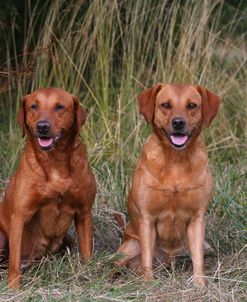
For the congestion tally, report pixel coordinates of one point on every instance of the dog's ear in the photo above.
(80, 114)
(146, 102)
(21, 116)
(210, 104)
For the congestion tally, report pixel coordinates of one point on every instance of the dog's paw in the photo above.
(14, 283)
(147, 274)
(199, 281)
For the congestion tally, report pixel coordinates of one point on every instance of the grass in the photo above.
(105, 52)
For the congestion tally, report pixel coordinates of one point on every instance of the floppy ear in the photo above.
(80, 114)
(146, 102)
(210, 104)
(21, 116)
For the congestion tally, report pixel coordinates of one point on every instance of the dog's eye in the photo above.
(166, 105)
(191, 106)
(59, 107)
(34, 106)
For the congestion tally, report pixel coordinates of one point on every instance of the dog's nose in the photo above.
(178, 123)
(43, 127)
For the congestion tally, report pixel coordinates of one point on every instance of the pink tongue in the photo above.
(179, 140)
(45, 142)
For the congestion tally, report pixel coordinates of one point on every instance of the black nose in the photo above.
(178, 123)
(43, 127)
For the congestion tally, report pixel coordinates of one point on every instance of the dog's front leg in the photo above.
(84, 230)
(147, 233)
(15, 240)
(196, 233)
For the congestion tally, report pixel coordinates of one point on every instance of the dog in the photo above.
(53, 184)
(172, 184)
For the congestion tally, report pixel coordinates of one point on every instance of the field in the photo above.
(106, 52)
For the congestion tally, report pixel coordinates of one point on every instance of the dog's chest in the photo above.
(57, 183)
(55, 218)
(176, 208)
(178, 187)
(174, 198)
(61, 182)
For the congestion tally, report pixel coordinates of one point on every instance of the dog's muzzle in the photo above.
(45, 139)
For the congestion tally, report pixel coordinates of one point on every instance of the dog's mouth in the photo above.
(48, 143)
(178, 140)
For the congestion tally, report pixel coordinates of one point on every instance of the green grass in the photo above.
(105, 52)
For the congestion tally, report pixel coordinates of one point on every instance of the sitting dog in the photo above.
(172, 184)
(53, 184)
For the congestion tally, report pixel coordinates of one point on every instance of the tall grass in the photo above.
(106, 52)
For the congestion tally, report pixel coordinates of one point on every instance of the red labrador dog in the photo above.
(53, 184)
(172, 183)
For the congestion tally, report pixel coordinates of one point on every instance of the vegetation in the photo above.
(105, 52)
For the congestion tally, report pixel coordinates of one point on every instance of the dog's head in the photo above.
(178, 111)
(48, 114)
